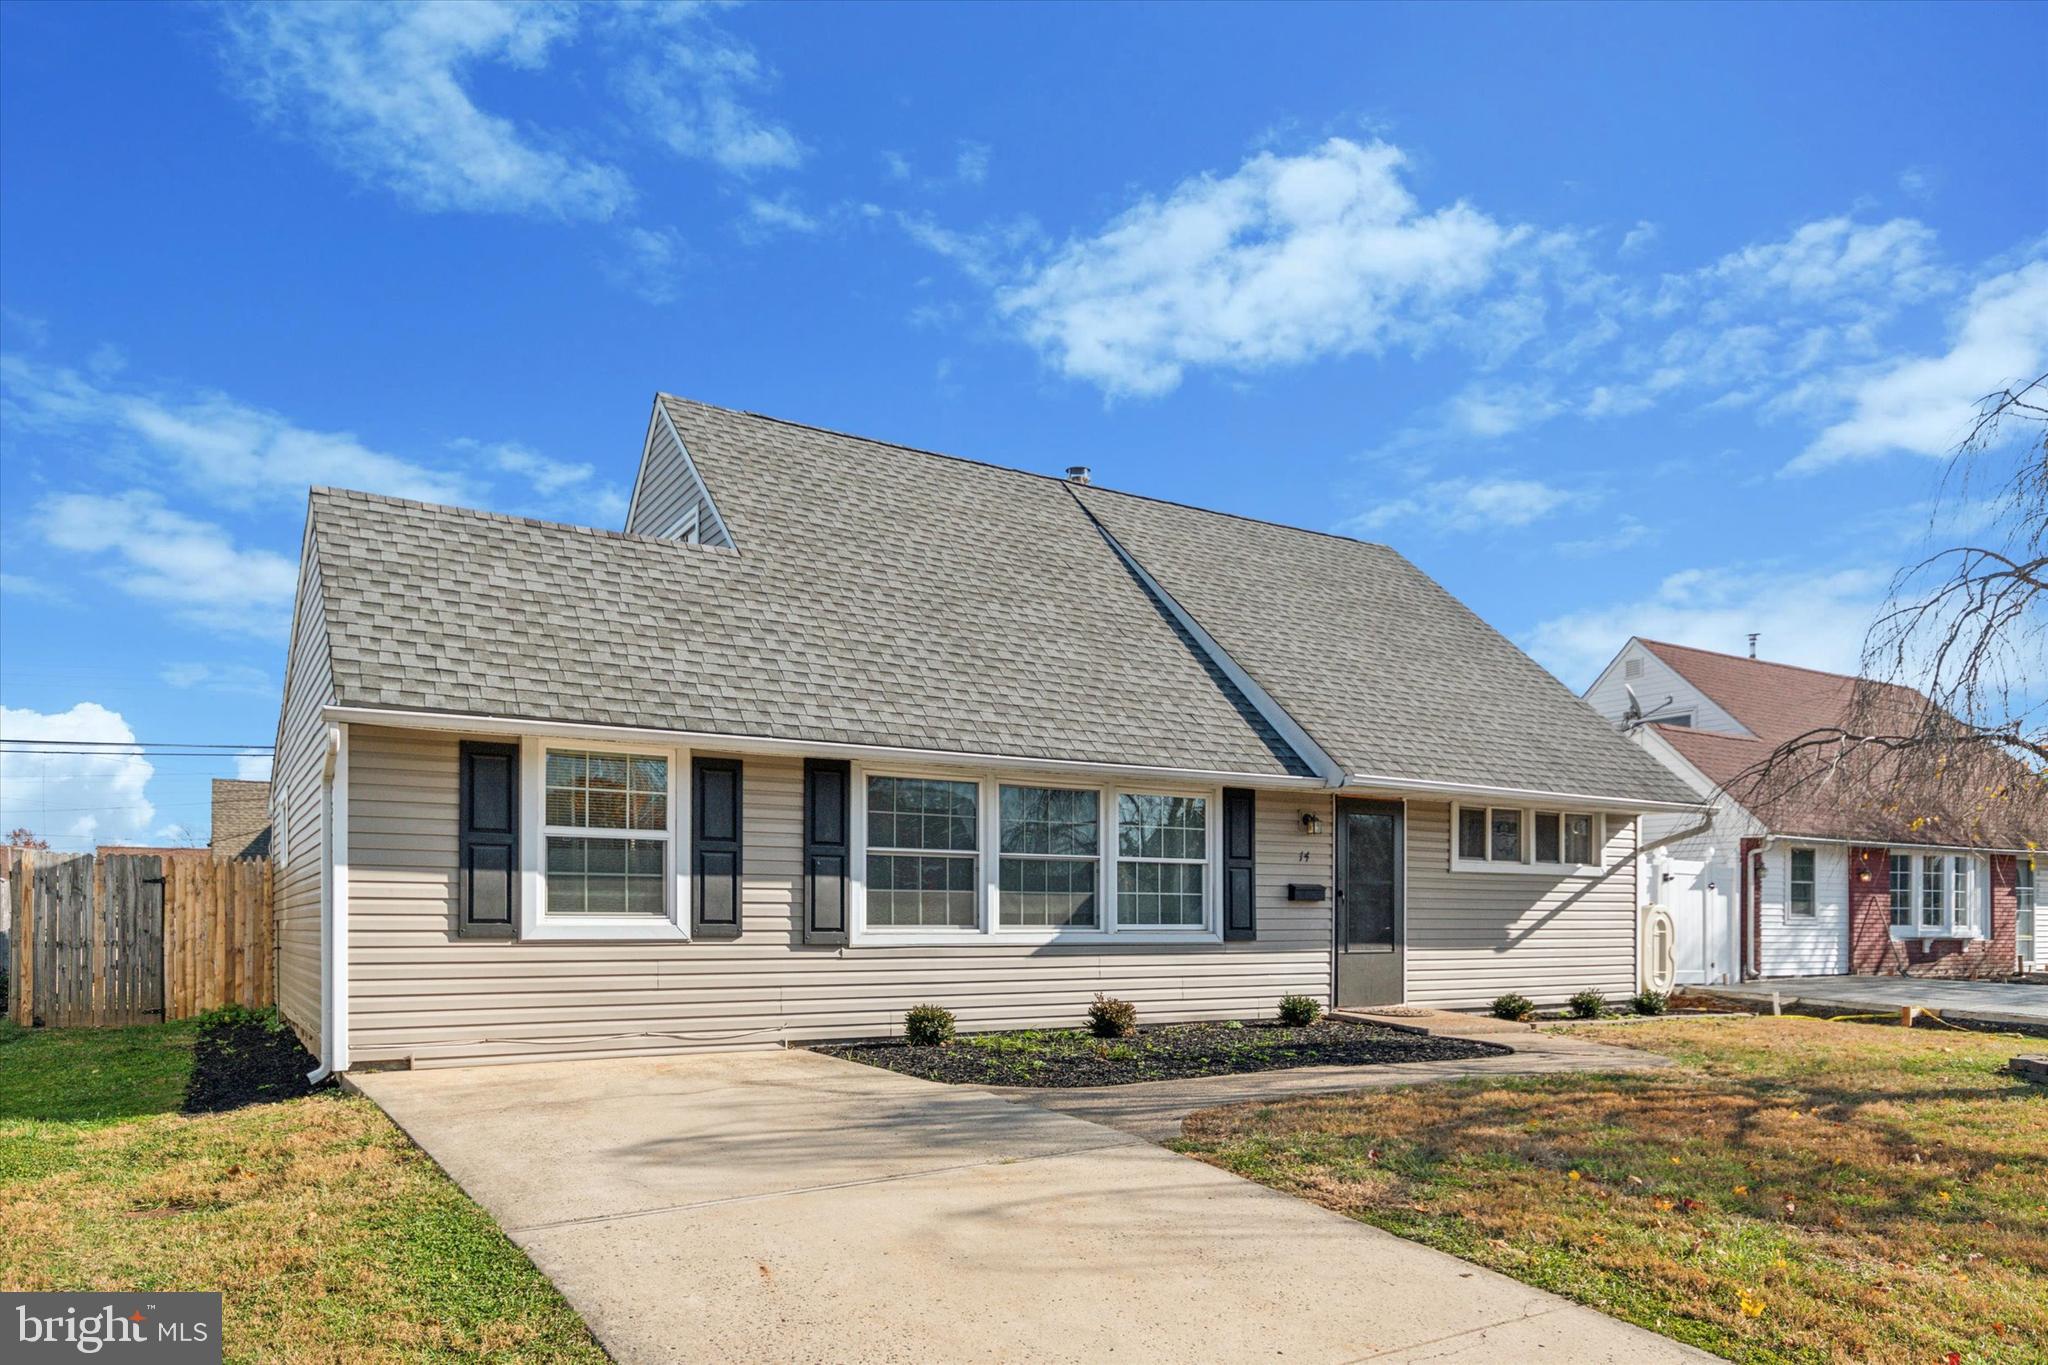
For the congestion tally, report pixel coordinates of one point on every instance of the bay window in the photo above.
(1937, 895)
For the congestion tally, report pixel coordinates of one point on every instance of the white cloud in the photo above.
(229, 452)
(383, 90)
(896, 165)
(687, 85)
(648, 262)
(971, 163)
(782, 213)
(74, 800)
(32, 589)
(1816, 619)
(1462, 504)
(1639, 237)
(252, 767)
(1875, 265)
(1285, 260)
(1627, 532)
(237, 679)
(191, 568)
(562, 482)
(1924, 405)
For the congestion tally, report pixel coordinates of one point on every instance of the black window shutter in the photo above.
(715, 807)
(827, 784)
(1240, 874)
(488, 891)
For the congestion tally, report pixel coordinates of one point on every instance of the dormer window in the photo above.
(684, 528)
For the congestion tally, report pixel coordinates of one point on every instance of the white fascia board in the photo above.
(1325, 767)
(696, 473)
(640, 473)
(714, 742)
(1520, 795)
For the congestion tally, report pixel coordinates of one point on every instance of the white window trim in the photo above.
(685, 527)
(987, 884)
(1979, 910)
(1812, 912)
(534, 922)
(1528, 866)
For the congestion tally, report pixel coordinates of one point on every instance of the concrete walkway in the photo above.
(783, 1206)
(1989, 1002)
(1154, 1110)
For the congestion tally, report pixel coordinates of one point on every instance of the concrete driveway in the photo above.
(783, 1206)
(1989, 1002)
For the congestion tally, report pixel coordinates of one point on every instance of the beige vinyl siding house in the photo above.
(919, 730)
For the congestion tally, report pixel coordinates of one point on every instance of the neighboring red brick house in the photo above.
(1841, 881)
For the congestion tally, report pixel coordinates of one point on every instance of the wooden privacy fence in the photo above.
(134, 938)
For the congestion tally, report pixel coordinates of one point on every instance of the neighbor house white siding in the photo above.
(418, 992)
(1657, 680)
(295, 811)
(1796, 945)
(669, 490)
(1473, 936)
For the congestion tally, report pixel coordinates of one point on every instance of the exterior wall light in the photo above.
(1311, 823)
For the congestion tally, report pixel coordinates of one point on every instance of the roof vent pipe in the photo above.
(1077, 473)
(1752, 644)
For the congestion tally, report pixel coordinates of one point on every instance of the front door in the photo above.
(1371, 919)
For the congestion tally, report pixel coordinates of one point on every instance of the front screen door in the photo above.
(1370, 914)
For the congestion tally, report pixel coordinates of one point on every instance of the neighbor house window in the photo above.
(1933, 892)
(605, 826)
(2025, 905)
(1799, 889)
(1962, 883)
(1049, 844)
(1902, 890)
(923, 861)
(1505, 837)
(1162, 860)
(1680, 718)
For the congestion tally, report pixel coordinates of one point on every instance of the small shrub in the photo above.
(1233, 1023)
(928, 1025)
(1587, 1005)
(235, 1016)
(1513, 1006)
(1109, 1017)
(1299, 1011)
(1649, 1002)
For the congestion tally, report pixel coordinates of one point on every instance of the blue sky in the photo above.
(1616, 319)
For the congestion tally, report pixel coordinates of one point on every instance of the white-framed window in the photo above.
(1682, 719)
(923, 862)
(685, 526)
(946, 857)
(1513, 839)
(1162, 860)
(1049, 842)
(2026, 907)
(1938, 895)
(1801, 900)
(602, 845)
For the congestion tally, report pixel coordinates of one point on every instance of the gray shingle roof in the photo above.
(1390, 674)
(878, 596)
(886, 596)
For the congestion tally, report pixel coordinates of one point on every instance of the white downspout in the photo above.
(333, 911)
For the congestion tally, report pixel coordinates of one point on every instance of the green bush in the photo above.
(1513, 1006)
(234, 1016)
(1299, 1011)
(1649, 1002)
(1109, 1017)
(1587, 1005)
(928, 1025)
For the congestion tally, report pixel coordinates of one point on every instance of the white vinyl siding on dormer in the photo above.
(669, 498)
(1656, 681)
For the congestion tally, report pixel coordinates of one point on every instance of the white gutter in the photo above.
(1579, 799)
(756, 744)
(334, 912)
(1875, 842)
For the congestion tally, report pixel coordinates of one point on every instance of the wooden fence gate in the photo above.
(129, 938)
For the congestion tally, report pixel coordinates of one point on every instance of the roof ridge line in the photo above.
(1764, 663)
(507, 518)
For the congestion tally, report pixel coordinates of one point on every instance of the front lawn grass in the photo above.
(1793, 1190)
(331, 1235)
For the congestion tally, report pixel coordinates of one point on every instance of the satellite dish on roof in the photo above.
(1635, 706)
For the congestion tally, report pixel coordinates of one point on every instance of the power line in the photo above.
(134, 744)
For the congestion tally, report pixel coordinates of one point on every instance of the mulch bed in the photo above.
(243, 1061)
(1071, 1057)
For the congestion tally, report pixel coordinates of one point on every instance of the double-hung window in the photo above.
(923, 859)
(1963, 884)
(1799, 885)
(2025, 907)
(1933, 891)
(605, 831)
(1050, 850)
(1162, 860)
(1902, 890)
